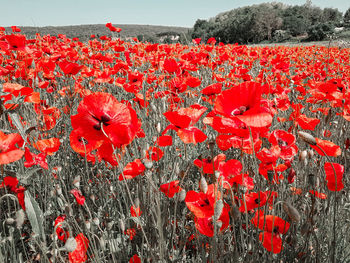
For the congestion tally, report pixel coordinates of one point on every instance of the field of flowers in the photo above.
(115, 151)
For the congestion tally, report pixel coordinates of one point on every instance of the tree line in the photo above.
(274, 22)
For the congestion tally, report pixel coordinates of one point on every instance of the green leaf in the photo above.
(34, 214)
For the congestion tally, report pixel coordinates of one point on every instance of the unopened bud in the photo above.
(96, 221)
(122, 225)
(310, 154)
(20, 216)
(10, 221)
(88, 224)
(148, 163)
(308, 138)
(70, 245)
(219, 206)
(182, 195)
(203, 185)
(159, 127)
(303, 155)
(292, 212)
(76, 181)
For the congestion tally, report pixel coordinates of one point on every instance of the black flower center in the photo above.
(104, 119)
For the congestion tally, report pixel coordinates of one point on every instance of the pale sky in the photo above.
(148, 12)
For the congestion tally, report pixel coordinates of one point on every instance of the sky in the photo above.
(183, 13)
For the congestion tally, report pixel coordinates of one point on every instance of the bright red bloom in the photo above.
(70, 68)
(334, 181)
(35, 159)
(78, 196)
(271, 241)
(170, 189)
(330, 148)
(252, 200)
(62, 234)
(270, 223)
(14, 42)
(170, 65)
(8, 151)
(243, 102)
(48, 146)
(79, 254)
(135, 211)
(154, 153)
(165, 140)
(286, 142)
(205, 225)
(10, 182)
(132, 170)
(135, 259)
(101, 114)
(207, 164)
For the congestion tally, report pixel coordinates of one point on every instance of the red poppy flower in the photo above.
(135, 211)
(8, 151)
(135, 259)
(318, 194)
(205, 225)
(334, 181)
(154, 153)
(132, 170)
(100, 114)
(330, 148)
(207, 164)
(170, 65)
(78, 196)
(70, 68)
(81, 145)
(252, 200)
(243, 102)
(271, 241)
(15, 42)
(48, 146)
(286, 142)
(10, 182)
(79, 254)
(191, 135)
(35, 159)
(270, 223)
(170, 189)
(62, 234)
(212, 89)
(165, 140)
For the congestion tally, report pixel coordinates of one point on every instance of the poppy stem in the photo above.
(333, 255)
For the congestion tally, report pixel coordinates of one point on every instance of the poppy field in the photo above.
(124, 151)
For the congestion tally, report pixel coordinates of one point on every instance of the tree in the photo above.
(346, 18)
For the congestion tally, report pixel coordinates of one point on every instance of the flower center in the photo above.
(239, 111)
(103, 120)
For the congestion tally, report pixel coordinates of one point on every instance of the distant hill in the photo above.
(83, 32)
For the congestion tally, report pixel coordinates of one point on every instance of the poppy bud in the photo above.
(76, 181)
(96, 221)
(88, 224)
(182, 195)
(20, 216)
(219, 206)
(310, 153)
(159, 128)
(71, 244)
(235, 212)
(292, 212)
(303, 156)
(308, 138)
(10, 221)
(148, 163)
(203, 185)
(122, 225)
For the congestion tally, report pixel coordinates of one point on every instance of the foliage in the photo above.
(319, 32)
(257, 23)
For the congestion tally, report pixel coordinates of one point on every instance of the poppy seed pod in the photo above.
(308, 138)
(20, 217)
(292, 212)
